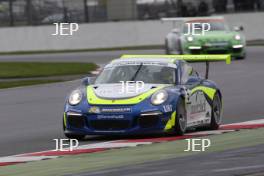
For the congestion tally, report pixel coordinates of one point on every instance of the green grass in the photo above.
(10, 84)
(39, 69)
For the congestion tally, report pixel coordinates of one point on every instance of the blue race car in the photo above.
(141, 94)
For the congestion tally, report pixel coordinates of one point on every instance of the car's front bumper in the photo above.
(235, 50)
(115, 123)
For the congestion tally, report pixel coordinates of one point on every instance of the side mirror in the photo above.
(193, 80)
(88, 81)
(238, 28)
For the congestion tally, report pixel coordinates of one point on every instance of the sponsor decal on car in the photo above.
(167, 108)
(113, 110)
(94, 109)
(97, 110)
(197, 108)
(110, 117)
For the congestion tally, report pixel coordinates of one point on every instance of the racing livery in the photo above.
(219, 39)
(144, 94)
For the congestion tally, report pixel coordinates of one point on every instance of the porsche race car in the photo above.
(218, 39)
(142, 94)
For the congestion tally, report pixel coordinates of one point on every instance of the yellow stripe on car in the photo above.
(95, 100)
(207, 90)
(64, 116)
(171, 122)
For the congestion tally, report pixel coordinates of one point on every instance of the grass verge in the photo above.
(40, 69)
(10, 84)
(130, 156)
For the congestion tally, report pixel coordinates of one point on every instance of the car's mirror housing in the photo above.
(238, 28)
(88, 81)
(192, 80)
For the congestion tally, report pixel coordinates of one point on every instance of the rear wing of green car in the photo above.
(189, 58)
(180, 20)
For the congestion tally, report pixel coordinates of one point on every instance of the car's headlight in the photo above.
(237, 37)
(190, 38)
(75, 97)
(159, 97)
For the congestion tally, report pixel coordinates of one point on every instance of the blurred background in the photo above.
(42, 12)
(113, 24)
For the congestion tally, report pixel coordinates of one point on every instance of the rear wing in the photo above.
(188, 58)
(191, 18)
(185, 19)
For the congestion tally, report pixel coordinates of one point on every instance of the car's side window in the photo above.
(194, 73)
(187, 70)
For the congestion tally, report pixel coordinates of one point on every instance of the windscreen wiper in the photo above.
(135, 75)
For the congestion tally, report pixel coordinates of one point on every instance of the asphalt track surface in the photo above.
(99, 58)
(31, 116)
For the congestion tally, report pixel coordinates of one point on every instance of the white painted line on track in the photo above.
(251, 122)
(210, 132)
(24, 158)
(239, 168)
(112, 145)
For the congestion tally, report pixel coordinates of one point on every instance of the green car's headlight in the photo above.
(190, 38)
(75, 97)
(237, 37)
(159, 97)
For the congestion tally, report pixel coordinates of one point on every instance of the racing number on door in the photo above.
(187, 93)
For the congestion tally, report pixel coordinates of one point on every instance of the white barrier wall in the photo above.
(110, 34)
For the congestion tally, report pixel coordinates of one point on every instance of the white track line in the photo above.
(252, 122)
(239, 168)
(112, 145)
(210, 132)
(11, 159)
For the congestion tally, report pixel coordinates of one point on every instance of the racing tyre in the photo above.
(181, 118)
(79, 137)
(167, 50)
(75, 136)
(180, 47)
(241, 57)
(216, 116)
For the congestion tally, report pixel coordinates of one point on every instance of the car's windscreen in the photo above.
(214, 26)
(152, 74)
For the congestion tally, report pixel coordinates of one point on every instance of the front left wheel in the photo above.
(181, 118)
(216, 115)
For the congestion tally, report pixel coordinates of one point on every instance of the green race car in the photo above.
(207, 35)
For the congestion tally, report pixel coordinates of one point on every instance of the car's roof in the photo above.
(143, 59)
(166, 61)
